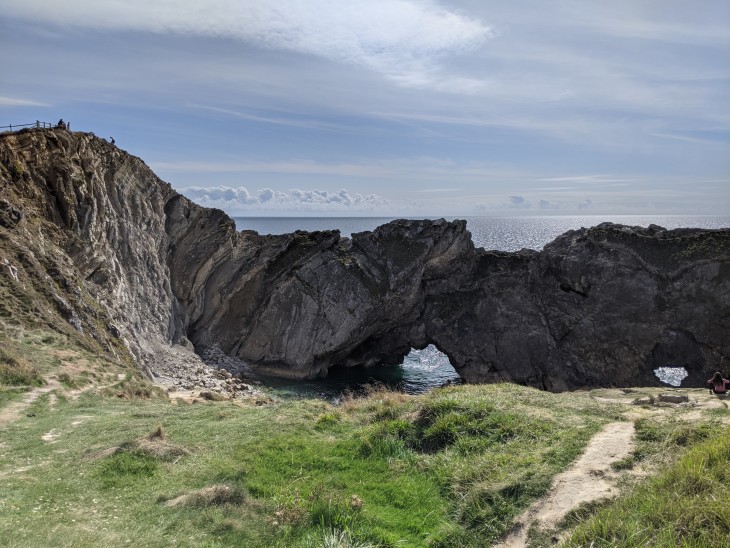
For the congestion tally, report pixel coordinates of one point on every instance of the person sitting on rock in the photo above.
(61, 124)
(718, 385)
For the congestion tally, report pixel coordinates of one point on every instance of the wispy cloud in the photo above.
(16, 102)
(290, 121)
(400, 39)
(623, 103)
(587, 179)
(440, 190)
(416, 168)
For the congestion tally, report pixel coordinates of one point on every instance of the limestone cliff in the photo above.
(131, 260)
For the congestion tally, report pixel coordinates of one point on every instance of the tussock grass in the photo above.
(385, 469)
(30, 355)
(659, 441)
(16, 371)
(155, 446)
(214, 495)
(125, 466)
(132, 388)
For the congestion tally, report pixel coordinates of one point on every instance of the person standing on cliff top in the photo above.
(718, 384)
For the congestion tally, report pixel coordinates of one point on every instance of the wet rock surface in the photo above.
(138, 266)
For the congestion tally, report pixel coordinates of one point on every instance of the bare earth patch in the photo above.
(588, 479)
(51, 436)
(14, 410)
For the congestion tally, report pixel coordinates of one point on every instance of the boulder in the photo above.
(673, 398)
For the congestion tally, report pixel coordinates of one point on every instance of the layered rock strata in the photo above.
(602, 306)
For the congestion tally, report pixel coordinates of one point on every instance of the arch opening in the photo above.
(427, 368)
(420, 371)
(672, 376)
(416, 372)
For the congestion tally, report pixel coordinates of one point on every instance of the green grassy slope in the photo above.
(103, 457)
(450, 468)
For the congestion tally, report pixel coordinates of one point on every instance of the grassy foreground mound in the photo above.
(451, 468)
(104, 458)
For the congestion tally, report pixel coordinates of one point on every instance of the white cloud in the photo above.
(546, 205)
(585, 204)
(428, 190)
(280, 120)
(400, 39)
(219, 194)
(240, 199)
(519, 202)
(266, 195)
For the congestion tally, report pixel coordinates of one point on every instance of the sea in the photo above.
(424, 369)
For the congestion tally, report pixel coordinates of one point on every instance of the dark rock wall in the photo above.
(597, 307)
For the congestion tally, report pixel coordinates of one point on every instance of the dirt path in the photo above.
(14, 410)
(588, 479)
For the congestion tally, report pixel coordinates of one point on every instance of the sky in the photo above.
(392, 107)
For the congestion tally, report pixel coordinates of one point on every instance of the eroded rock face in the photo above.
(597, 307)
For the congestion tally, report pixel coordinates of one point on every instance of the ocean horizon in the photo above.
(494, 233)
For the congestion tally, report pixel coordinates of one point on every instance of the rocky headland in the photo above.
(91, 238)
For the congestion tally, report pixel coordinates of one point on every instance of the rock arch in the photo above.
(596, 307)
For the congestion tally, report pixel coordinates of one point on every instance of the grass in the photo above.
(11, 393)
(125, 465)
(15, 371)
(295, 473)
(687, 504)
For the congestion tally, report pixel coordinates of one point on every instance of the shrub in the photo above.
(16, 170)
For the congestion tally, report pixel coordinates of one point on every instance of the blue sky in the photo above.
(392, 107)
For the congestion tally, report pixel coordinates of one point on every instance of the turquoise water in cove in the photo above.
(428, 368)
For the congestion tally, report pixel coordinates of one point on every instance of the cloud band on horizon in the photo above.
(240, 198)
